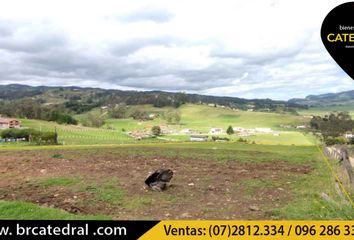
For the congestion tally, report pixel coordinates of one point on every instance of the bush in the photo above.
(351, 140)
(93, 120)
(14, 133)
(241, 140)
(334, 140)
(139, 115)
(172, 116)
(214, 138)
(156, 130)
(62, 118)
(230, 130)
(31, 135)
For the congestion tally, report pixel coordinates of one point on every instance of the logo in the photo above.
(337, 35)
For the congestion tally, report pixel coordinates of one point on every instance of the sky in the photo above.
(249, 49)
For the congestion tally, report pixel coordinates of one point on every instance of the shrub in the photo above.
(156, 130)
(230, 130)
(14, 133)
(61, 118)
(334, 140)
(215, 138)
(241, 140)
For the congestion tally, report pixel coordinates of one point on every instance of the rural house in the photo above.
(138, 135)
(199, 138)
(9, 123)
(263, 130)
(186, 131)
(349, 135)
(216, 131)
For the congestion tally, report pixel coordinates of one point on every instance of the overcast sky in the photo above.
(251, 48)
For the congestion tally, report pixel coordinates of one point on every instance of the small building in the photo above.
(238, 129)
(9, 123)
(152, 116)
(301, 127)
(216, 131)
(349, 135)
(186, 131)
(138, 135)
(264, 130)
(199, 138)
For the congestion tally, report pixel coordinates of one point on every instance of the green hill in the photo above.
(201, 118)
(78, 135)
(198, 118)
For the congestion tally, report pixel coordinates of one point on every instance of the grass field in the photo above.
(226, 179)
(203, 117)
(76, 135)
(321, 111)
(199, 118)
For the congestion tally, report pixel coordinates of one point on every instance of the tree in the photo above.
(230, 130)
(139, 115)
(61, 118)
(332, 125)
(119, 111)
(156, 130)
(93, 120)
(173, 116)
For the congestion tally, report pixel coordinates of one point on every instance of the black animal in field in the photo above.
(159, 179)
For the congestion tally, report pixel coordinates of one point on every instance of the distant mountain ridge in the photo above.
(101, 97)
(328, 99)
(86, 98)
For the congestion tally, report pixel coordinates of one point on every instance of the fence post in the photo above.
(348, 167)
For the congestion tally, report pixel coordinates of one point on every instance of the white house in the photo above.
(199, 138)
(264, 130)
(186, 131)
(152, 115)
(349, 135)
(238, 129)
(216, 131)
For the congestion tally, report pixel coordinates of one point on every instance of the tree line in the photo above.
(30, 135)
(31, 109)
(332, 127)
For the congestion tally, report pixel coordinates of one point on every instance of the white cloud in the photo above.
(255, 48)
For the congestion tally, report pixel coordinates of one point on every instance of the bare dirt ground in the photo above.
(201, 189)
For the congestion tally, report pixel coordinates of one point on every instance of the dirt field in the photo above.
(108, 183)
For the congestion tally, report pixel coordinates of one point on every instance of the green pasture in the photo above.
(198, 118)
(203, 117)
(321, 111)
(284, 138)
(72, 135)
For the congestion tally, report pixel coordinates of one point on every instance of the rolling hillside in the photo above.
(329, 99)
(84, 99)
(199, 119)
